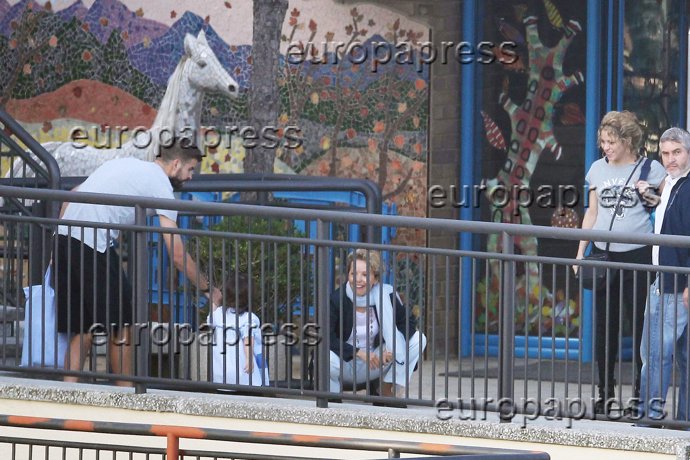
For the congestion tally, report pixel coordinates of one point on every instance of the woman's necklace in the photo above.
(369, 339)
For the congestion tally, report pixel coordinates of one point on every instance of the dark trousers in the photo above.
(626, 289)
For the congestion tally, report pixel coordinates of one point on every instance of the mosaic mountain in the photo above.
(158, 58)
(4, 7)
(105, 16)
(143, 53)
(79, 55)
(101, 19)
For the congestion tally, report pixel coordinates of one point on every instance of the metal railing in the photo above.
(35, 162)
(174, 434)
(521, 375)
(43, 165)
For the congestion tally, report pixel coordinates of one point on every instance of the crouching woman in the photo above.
(372, 335)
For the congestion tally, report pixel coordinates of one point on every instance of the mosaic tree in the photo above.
(29, 38)
(397, 103)
(531, 135)
(359, 120)
(349, 104)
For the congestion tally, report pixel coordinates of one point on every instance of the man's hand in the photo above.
(685, 298)
(642, 186)
(648, 193)
(215, 296)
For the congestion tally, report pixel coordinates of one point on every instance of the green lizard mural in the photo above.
(531, 135)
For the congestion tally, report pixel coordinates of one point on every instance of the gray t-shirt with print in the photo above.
(608, 181)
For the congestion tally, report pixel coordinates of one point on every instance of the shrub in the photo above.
(282, 272)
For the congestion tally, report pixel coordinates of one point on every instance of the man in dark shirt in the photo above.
(666, 315)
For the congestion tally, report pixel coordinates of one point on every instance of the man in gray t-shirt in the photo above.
(93, 293)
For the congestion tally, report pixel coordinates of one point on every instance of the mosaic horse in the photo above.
(198, 72)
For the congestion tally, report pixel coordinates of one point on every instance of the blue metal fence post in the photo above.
(593, 113)
(683, 106)
(620, 56)
(467, 149)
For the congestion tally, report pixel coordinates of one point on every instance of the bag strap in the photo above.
(620, 197)
(644, 170)
(644, 173)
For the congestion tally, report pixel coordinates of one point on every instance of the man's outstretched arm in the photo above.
(186, 264)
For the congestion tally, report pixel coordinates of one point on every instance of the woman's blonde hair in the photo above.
(370, 257)
(624, 127)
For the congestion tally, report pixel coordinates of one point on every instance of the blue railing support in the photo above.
(467, 159)
(593, 114)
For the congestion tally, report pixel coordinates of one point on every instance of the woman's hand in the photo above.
(588, 221)
(373, 358)
(576, 268)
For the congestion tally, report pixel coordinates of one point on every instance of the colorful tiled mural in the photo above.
(105, 64)
(534, 98)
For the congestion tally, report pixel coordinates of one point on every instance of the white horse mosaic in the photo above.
(198, 72)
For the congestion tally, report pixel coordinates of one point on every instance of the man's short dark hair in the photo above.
(181, 148)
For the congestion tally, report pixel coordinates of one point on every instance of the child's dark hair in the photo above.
(239, 291)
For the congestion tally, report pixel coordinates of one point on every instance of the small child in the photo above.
(232, 326)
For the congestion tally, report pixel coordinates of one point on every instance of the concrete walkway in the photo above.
(560, 438)
(94, 402)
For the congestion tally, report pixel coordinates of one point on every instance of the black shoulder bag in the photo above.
(594, 278)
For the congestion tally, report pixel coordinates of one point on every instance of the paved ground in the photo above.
(553, 386)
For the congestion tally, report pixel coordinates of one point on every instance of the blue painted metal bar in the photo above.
(467, 160)
(592, 114)
(535, 347)
(609, 104)
(681, 11)
(620, 59)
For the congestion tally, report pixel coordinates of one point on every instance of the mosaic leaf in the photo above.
(493, 133)
(554, 16)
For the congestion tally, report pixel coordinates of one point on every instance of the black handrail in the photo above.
(51, 175)
(18, 131)
(273, 183)
(276, 183)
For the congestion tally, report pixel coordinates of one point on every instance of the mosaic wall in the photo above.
(106, 63)
(533, 119)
